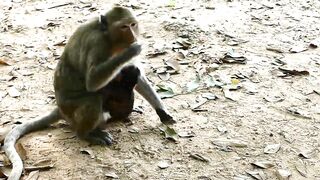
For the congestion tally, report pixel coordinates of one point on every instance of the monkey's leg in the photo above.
(86, 117)
(145, 89)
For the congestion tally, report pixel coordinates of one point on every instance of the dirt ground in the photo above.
(242, 79)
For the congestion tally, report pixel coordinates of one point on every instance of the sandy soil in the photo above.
(264, 123)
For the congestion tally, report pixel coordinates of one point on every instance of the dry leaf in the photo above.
(272, 148)
(293, 71)
(21, 151)
(283, 174)
(263, 164)
(200, 102)
(233, 57)
(193, 85)
(301, 168)
(199, 157)
(298, 48)
(169, 133)
(112, 175)
(4, 63)
(173, 64)
(88, 152)
(163, 164)
(34, 175)
(230, 142)
(257, 174)
(4, 172)
(13, 92)
(209, 96)
(306, 153)
(315, 43)
(4, 160)
(3, 132)
(188, 134)
(40, 168)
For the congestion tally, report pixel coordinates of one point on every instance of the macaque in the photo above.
(94, 80)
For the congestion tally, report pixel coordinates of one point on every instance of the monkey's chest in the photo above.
(118, 95)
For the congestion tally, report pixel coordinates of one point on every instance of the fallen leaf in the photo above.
(88, 152)
(298, 112)
(3, 132)
(283, 174)
(24, 72)
(235, 42)
(307, 154)
(21, 151)
(158, 48)
(276, 49)
(274, 98)
(163, 164)
(209, 96)
(165, 91)
(40, 168)
(298, 48)
(185, 43)
(263, 164)
(2, 174)
(199, 157)
(4, 160)
(174, 64)
(211, 82)
(301, 168)
(222, 129)
(257, 174)
(272, 148)
(34, 175)
(230, 142)
(193, 85)
(42, 162)
(293, 71)
(112, 175)
(241, 177)
(133, 130)
(61, 43)
(164, 76)
(315, 43)
(13, 92)
(186, 134)
(228, 94)
(200, 102)
(4, 63)
(169, 133)
(233, 57)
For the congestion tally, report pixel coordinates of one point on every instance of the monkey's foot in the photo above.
(99, 137)
(165, 118)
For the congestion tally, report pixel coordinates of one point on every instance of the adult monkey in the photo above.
(94, 75)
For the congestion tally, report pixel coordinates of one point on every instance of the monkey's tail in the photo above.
(17, 132)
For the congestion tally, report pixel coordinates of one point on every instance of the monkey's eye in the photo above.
(124, 27)
(133, 24)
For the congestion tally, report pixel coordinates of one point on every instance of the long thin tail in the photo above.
(17, 132)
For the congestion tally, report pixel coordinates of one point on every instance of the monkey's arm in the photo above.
(16, 133)
(144, 88)
(100, 75)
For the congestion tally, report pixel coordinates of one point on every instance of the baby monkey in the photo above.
(96, 75)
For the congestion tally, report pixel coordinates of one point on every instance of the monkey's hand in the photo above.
(133, 50)
(165, 117)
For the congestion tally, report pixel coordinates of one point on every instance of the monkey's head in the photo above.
(122, 26)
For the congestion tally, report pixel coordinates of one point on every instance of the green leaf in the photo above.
(169, 133)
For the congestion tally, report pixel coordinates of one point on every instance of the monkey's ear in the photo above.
(103, 22)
